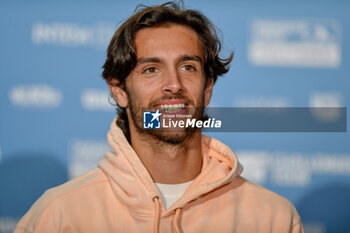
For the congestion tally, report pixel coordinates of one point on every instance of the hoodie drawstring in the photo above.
(156, 222)
(175, 221)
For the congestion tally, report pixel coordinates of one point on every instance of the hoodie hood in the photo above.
(134, 186)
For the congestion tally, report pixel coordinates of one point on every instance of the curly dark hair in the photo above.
(121, 53)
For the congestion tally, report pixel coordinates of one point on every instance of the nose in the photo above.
(172, 83)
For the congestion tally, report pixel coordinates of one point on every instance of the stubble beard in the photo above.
(172, 137)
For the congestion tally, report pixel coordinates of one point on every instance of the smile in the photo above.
(172, 108)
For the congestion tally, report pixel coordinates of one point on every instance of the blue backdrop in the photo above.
(55, 111)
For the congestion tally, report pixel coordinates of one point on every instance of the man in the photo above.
(165, 59)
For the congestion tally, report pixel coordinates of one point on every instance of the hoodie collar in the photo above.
(134, 187)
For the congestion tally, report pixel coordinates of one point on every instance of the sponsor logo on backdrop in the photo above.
(8, 224)
(295, 42)
(324, 100)
(255, 165)
(291, 168)
(85, 155)
(314, 227)
(95, 100)
(261, 101)
(70, 34)
(36, 95)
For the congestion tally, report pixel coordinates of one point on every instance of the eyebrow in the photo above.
(144, 60)
(190, 58)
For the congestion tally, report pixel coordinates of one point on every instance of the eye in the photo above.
(151, 70)
(188, 68)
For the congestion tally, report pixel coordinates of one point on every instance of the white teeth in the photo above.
(172, 107)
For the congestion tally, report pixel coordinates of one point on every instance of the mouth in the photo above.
(171, 106)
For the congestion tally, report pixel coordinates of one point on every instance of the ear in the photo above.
(208, 91)
(118, 93)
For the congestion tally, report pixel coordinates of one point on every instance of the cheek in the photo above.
(140, 94)
(196, 88)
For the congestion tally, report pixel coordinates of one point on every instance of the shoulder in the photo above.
(64, 198)
(266, 202)
(262, 196)
(77, 186)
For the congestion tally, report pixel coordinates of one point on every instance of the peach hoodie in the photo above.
(120, 196)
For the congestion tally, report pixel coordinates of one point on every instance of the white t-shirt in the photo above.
(172, 192)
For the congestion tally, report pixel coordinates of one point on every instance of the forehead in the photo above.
(167, 41)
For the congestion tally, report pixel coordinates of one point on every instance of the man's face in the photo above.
(168, 76)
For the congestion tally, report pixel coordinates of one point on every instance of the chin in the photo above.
(173, 138)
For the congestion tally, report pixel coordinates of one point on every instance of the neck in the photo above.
(168, 163)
